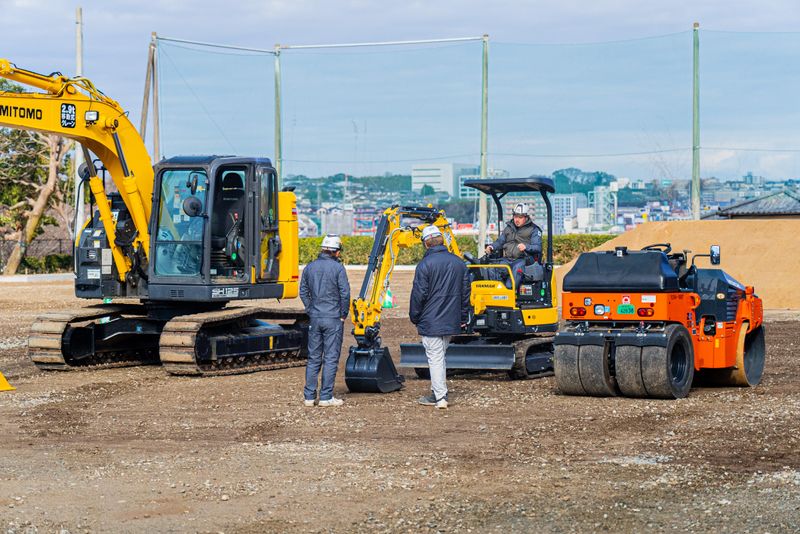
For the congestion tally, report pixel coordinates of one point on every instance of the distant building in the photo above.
(440, 176)
(780, 205)
(565, 207)
(336, 220)
(469, 192)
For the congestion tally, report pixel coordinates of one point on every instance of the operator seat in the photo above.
(229, 209)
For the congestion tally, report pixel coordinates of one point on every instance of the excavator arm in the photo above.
(390, 237)
(369, 366)
(75, 109)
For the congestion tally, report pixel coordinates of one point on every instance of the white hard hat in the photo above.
(430, 231)
(332, 242)
(520, 209)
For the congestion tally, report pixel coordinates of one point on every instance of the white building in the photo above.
(565, 207)
(469, 192)
(440, 176)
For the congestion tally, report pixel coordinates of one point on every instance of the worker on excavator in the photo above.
(325, 293)
(520, 242)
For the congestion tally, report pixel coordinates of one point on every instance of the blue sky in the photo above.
(554, 101)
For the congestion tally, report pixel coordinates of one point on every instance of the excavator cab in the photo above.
(216, 230)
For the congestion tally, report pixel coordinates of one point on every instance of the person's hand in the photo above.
(521, 247)
(489, 249)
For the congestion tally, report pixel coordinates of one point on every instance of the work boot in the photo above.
(309, 403)
(430, 400)
(333, 401)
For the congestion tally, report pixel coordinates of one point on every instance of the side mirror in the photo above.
(714, 254)
(191, 183)
(192, 206)
(83, 171)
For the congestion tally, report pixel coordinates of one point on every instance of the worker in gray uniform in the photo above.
(521, 243)
(325, 293)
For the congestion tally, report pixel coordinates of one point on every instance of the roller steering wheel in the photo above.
(666, 248)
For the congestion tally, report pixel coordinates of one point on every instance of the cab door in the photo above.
(267, 224)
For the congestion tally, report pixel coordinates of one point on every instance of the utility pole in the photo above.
(78, 157)
(696, 123)
(482, 215)
(278, 141)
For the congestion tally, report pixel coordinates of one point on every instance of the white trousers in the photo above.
(435, 348)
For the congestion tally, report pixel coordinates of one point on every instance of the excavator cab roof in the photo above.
(501, 186)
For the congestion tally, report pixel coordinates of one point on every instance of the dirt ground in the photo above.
(135, 450)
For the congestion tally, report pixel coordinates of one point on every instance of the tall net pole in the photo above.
(79, 214)
(696, 123)
(482, 215)
(278, 141)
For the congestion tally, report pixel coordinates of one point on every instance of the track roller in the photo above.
(667, 372)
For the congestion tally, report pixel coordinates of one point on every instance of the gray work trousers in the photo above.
(324, 348)
(435, 349)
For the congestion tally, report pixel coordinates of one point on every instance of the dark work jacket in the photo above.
(440, 294)
(528, 234)
(324, 289)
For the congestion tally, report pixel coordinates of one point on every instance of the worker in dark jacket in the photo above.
(439, 308)
(325, 293)
(520, 241)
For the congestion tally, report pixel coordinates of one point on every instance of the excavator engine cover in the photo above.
(371, 371)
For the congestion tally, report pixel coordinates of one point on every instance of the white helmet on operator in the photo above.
(332, 242)
(520, 209)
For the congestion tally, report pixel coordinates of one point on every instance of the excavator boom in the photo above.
(73, 108)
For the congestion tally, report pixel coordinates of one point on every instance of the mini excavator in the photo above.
(184, 239)
(511, 328)
(644, 324)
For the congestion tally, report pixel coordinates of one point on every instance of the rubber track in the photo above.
(45, 339)
(519, 369)
(177, 344)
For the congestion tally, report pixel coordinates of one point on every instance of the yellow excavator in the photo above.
(176, 242)
(511, 328)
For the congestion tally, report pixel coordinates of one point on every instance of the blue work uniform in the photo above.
(325, 292)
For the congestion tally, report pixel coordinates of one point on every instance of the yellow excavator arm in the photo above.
(390, 237)
(75, 109)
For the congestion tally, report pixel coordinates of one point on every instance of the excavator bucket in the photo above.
(371, 371)
(4, 385)
(461, 356)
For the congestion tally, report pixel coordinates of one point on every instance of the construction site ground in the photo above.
(135, 450)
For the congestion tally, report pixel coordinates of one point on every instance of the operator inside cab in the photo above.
(520, 242)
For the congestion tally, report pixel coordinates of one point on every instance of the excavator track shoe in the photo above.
(371, 371)
(628, 367)
(667, 372)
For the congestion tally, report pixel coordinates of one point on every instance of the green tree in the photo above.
(31, 172)
(427, 191)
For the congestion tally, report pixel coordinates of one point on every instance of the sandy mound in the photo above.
(761, 253)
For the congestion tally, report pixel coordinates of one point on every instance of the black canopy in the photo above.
(501, 186)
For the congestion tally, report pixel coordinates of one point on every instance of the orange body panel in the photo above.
(710, 351)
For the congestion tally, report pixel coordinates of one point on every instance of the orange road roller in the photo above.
(646, 323)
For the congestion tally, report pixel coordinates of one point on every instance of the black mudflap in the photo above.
(371, 371)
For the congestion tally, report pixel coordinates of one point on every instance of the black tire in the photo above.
(565, 365)
(667, 372)
(628, 366)
(755, 352)
(423, 372)
(595, 371)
